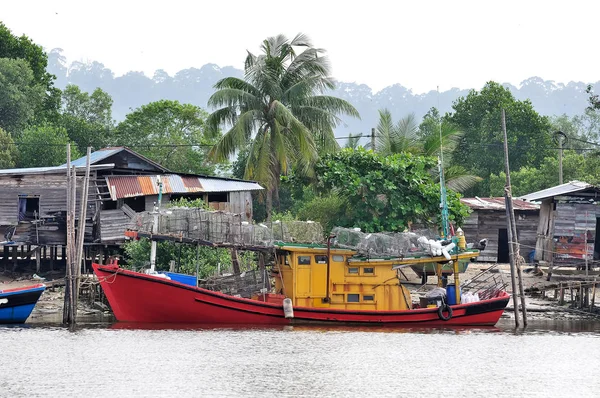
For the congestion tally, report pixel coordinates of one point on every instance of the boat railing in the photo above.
(487, 284)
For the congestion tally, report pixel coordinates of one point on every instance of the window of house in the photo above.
(29, 207)
(337, 258)
(303, 260)
(369, 297)
(321, 259)
(353, 270)
(369, 270)
(353, 298)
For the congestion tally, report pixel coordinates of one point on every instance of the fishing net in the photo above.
(389, 244)
(227, 228)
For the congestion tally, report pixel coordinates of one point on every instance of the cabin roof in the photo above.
(51, 170)
(571, 188)
(497, 203)
(102, 154)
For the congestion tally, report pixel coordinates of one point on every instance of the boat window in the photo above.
(304, 260)
(353, 298)
(353, 270)
(338, 257)
(321, 259)
(368, 297)
(369, 270)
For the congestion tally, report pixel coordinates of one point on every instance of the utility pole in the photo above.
(560, 138)
(373, 139)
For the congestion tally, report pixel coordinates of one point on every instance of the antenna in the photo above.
(443, 201)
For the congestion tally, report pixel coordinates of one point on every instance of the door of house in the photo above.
(503, 254)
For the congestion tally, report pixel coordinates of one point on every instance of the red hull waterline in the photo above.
(137, 297)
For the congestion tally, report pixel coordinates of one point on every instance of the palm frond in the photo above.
(236, 137)
(458, 178)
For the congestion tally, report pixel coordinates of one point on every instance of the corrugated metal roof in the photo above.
(97, 156)
(129, 186)
(216, 185)
(477, 203)
(104, 153)
(52, 170)
(571, 188)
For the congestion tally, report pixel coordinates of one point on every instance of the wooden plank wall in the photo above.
(51, 190)
(489, 223)
(572, 220)
(241, 203)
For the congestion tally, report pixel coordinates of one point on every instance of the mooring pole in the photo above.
(508, 201)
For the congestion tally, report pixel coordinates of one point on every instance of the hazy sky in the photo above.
(419, 44)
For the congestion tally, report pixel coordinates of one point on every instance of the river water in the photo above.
(555, 358)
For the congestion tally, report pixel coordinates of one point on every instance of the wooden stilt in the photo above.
(593, 300)
(38, 260)
(562, 295)
(52, 257)
(15, 257)
(6, 256)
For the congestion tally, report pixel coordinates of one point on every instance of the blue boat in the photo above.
(16, 304)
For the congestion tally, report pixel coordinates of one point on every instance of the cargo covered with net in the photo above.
(221, 227)
(388, 244)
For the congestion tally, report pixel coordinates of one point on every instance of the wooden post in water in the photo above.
(67, 299)
(511, 238)
(81, 229)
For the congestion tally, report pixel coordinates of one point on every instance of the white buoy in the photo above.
(288, 309)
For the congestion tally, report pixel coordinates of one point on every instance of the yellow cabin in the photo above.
(358, 284)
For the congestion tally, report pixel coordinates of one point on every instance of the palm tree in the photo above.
(404, 137)
(353, 141)
(395, 138)
(278, 111)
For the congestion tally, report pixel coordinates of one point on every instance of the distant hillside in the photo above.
(194, 86)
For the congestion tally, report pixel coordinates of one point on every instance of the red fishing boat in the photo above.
(313, 284)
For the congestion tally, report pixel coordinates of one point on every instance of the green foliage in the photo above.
(531, 179)
(137, 256)
(478, 116)
(170, 133)
(44, 146)
(386, 193)
(8, 150)
(20, 96)
(329, 210)
(585, 127)
(23, 48)
(198, 203)
(87, 117)
(395, 138)
(432, 138)
(278, 111)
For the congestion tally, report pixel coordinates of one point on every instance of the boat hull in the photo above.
(16, 304)
(136, 297)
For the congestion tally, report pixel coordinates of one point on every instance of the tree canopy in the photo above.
(87, 117)
(20, 97)
(22, 47)
(478, 116)
(170, 133)
(386, 193)
(45, 145)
